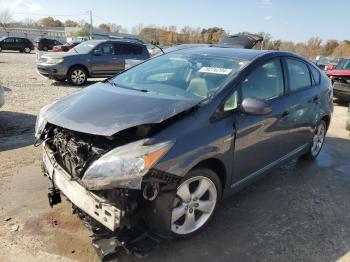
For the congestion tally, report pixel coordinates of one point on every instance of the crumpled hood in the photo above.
(103, 109)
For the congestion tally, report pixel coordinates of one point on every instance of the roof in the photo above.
(246, 54)
(121, 40)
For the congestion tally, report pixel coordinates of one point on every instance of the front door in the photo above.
(103, 62)
(262, 140)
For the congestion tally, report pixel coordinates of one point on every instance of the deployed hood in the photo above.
(103, 109)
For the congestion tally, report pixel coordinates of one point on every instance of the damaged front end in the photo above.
(113, 185)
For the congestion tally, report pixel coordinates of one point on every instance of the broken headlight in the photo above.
(124, 166)
(41, 122)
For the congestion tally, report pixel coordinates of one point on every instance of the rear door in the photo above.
(261, 140)
(104, 63)
(127, 51)
(303, 102)
(9, 44)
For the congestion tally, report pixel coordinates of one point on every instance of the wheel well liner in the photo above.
(217, 166)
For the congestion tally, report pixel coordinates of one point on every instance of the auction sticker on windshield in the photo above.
(215, 70)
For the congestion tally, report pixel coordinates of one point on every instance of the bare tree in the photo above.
(137, 29)
(5, 18)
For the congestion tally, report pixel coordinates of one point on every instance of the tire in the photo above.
(197, 198)
(77, 76)
(317, 141)
(45, 48)
(0, 49)
(27, 50)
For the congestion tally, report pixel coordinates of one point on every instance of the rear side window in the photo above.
(315, 75)
(19, 40)
(266, 81)
(127, 49)
(298, 75)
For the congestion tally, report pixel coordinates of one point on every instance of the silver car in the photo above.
(2, 96)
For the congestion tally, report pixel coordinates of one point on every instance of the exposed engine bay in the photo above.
(145, 213)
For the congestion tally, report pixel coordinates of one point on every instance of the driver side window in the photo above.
(265, 82)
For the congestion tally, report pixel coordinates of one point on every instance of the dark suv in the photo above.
(45, 44)
(158, 146)
(94, 58)
(16, 44)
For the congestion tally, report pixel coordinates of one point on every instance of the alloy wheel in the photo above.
(318, 139)
(78, 77)
(194, 204)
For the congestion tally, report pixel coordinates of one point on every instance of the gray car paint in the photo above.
(237, 146)
(104, 109)
(2, 96)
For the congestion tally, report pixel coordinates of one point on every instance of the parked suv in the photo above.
(45, 44)
(159, 145)
(94, 58)
(16, 44)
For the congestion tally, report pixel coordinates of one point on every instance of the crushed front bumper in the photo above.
(95, 206)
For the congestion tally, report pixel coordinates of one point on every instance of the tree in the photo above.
(343, 49)
(71, 23)
(136, 30)
(329, 47)
(5, 18)
(50, 22)
(104, 27)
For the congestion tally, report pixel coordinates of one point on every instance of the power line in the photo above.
(31, 14)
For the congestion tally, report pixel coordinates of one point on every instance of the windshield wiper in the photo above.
(109, 81)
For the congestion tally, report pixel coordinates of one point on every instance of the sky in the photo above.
(295, 20)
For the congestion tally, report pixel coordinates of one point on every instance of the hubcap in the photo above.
(318, 140)
(194, 204)
(78, 76)
(27, 49)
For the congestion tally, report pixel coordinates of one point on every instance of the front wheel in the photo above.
(197, 198)
(317, 141)
(77, 76)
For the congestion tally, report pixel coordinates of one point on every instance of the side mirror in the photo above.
(255, 106)
(97, 52)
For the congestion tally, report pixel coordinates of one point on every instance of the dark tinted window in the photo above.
(127, 49)
(57, 43)
(315, 75)
(19, 40)
(9, 40)
(298, 75)
(266, 81)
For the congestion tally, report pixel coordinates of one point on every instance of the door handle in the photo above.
(285, 113)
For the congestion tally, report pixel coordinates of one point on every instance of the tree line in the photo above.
(171, 35)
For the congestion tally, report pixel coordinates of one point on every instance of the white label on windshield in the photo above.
(215, 70)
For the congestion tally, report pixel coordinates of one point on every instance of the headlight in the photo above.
(54, 61)
(124, 166)
(41, 121)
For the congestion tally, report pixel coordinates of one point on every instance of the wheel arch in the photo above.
(79, 65)
(327, 119)
(215, 165)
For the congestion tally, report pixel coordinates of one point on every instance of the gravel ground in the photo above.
(299, 212)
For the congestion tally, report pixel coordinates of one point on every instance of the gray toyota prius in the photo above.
(156, 148)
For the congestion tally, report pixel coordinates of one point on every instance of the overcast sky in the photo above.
(296, 20)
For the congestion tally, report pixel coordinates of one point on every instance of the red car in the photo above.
(340, 77)
(65, 47)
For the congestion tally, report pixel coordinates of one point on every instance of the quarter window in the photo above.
(315, 75)
(266, 81)
(298, 75)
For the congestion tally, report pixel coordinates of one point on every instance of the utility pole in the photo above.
(90, 24)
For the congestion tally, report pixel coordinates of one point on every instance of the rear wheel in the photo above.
(317, 141)
(197, 198)
(45, 48)
(77, 75)
(27, 50)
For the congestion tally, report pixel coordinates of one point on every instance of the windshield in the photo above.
(344, 65)
(85, 47)
(191, 76)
